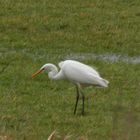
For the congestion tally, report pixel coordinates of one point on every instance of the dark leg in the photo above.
(77, 98)
(83, 105)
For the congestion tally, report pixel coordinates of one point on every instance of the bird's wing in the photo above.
(78, 65)
(78, 72)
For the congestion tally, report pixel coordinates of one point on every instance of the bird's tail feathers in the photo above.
(104, 83)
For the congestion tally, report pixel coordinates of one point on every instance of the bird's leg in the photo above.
(77, 98)
(83, 105)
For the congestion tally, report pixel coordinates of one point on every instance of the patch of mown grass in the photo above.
(36, 32)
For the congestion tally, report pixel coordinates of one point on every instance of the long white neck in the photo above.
(53, 73)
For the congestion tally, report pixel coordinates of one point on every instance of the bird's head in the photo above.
(44, 68)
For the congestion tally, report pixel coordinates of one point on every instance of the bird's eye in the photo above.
(44, 68)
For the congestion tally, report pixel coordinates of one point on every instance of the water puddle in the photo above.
(42, 54)
(105, 57)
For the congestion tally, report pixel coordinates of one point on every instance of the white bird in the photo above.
(79, 74)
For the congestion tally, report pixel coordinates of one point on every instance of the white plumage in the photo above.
(78, 73)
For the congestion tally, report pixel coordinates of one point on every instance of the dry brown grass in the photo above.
(5, 137)
(55, 136)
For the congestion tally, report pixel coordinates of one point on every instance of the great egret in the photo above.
(78, 73)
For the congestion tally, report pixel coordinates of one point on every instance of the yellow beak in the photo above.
(36, 73)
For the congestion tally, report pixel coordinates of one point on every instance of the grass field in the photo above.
(35, 32)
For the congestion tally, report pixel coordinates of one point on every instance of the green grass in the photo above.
(36, 32)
